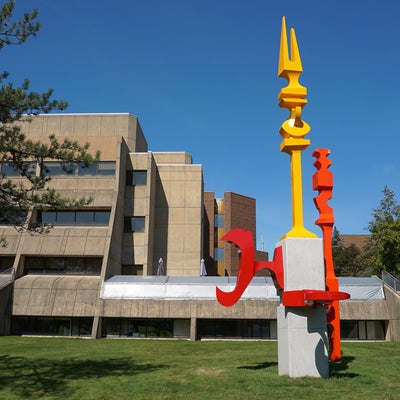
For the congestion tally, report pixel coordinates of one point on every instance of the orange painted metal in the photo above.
(323, 182)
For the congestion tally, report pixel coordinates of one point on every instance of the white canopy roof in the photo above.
(203, 288)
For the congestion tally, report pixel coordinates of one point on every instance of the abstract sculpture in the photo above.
(302, 267)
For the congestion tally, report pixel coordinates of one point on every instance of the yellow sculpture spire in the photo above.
(293, 130)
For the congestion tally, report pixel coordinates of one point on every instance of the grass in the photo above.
(61, 368)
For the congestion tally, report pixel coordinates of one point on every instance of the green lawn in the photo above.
(117, 369)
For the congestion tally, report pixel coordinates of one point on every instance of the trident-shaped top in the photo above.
(288, 63)
(293, 96)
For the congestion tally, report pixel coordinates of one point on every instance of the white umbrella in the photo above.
(160, 269)
(203, 271)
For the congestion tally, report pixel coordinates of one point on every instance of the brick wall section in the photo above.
(240, 212)
(358, 240)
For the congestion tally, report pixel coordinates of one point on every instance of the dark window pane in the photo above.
(63, 326)
(30, 168)
(139, 177)
(93, 266)
(19, 325)
(219, 254)
(106, 168)
(132, 270)
(13, 216)
(219, 220)
(65, 217)
(35, 265)
(85, 326)
(6, 262)
(45, 326)
(89, 170)
(102, 217)
(112, 326)
(137, 224)
(75, 265)
(69, 169)
(52, 168)
(349, 329)
(55, 265)
(48, 217)
(84, 217)
(9, 170)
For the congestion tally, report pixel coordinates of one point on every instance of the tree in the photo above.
(348, 261)
(19, 104)
(383, 246)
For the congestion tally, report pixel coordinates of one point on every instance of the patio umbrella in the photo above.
(203, 271)
(160, 269)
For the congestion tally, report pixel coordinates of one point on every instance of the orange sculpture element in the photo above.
(248, 267)
(293, 130)
(323, 182)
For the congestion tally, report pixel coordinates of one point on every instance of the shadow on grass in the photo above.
(37, 378)
(259, 366)
(338, 369)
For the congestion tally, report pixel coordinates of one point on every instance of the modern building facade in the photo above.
(221, 215)
(94, 273)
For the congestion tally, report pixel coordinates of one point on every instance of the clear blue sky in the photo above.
(202, 77)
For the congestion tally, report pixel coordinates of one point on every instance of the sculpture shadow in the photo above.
(338, 369)
(38, 378)
(263, 365)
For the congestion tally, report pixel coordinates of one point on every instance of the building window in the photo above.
(10, 170)
(76, 217)
(132, 327)
(6, 262)
(105, 168)
(63, 265)
(136, 269)
(136, 178)
(14, 216)
(362, 330)
(54, 326)
(219, 220)
(219, 254)
(236, 328)
(134, 224)
(57, 168)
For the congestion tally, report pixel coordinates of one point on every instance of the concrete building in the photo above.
(95, 272)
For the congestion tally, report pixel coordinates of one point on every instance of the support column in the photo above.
(193, 328)
(96, 327)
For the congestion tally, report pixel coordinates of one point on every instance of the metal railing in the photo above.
(6, 277)
(391, 280)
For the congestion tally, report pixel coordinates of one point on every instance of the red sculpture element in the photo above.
(310, 297)
(323, 182)
(248, 267)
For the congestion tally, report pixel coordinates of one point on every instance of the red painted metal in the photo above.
(311, 298)
(248, 267)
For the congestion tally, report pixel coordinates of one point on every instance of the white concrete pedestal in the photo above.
(302, 331)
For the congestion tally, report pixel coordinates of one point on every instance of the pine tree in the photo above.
(18, 104)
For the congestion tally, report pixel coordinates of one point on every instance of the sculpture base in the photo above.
(302, 331)
(303, 342)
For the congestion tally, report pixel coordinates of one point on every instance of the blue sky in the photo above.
(202, 77)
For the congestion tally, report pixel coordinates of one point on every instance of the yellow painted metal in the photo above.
(293, 130)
